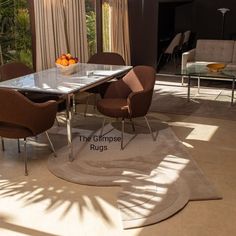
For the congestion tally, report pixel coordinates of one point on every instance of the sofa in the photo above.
(208, 51)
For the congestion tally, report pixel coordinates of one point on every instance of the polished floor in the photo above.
(42, 204)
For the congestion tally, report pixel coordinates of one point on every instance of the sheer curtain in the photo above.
(76, 28)
(60, 27)
(120, 41)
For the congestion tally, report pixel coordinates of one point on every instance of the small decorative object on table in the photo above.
(67, 64)
(216, 67)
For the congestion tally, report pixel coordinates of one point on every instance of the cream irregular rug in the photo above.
(157, 179)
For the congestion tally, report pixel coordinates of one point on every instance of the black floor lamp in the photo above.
(223, 11)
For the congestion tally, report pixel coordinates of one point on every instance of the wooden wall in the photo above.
(143, 31)
(200, 16)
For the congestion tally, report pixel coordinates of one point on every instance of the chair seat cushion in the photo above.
(113, 107)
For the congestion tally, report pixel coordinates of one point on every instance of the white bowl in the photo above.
(67, 70)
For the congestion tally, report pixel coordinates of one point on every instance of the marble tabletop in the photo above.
(53, 81)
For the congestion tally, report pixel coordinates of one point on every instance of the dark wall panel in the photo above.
(143, 31)
(150, 17)
(135, 27)
(200, 16)
(205, 21)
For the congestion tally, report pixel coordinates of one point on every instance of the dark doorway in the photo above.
(166, 25)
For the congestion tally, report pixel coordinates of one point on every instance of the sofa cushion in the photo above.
(214, 50)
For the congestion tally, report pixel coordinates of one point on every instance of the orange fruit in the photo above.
(58, 61)
(72, 61)
(64, 62)
(63, 56)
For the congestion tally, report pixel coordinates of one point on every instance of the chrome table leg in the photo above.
(18, 144)
(198, 85)
(3, 146)
(68, 124)
(189, 84)
(122, 133)
(232, 96)
(25, 157)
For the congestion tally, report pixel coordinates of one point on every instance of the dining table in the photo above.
(54, 81)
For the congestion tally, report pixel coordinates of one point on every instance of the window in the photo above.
(92, 25)
(106, 26)
(90, 6)
(15, 36)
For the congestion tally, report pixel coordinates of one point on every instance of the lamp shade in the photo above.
(223, 10)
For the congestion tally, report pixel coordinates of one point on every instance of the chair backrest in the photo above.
(13, 70)
(19, 117)
(186, 36)
(146, 76)
(174, 43)
(107, 58)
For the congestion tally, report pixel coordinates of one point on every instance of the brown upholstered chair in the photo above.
(171, 51)
(129, 97)
(10, 71)
(22, 118)
(105, 58)
(17, 69)
(13, 70)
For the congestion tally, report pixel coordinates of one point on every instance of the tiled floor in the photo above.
(42, 204)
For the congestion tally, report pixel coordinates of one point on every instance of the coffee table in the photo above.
(200, 71)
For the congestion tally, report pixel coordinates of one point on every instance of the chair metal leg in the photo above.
(18, 144)
(174, 59)
(132, 123)
(25, 158)
(159, 61)
(51, 144)
(122, 133)
(149, 127)
(103, 124)
(86, 107)
(58, 123)
(3, 145)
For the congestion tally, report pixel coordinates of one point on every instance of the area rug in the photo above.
(212, 102)
(157, 179)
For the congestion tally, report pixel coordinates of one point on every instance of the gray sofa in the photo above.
(207, 51)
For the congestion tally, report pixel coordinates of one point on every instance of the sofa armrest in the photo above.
(187, 57)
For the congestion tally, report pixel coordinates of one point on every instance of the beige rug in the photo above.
(157, 179)
(212, 102)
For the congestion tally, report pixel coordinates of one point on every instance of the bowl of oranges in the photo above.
(67, 64)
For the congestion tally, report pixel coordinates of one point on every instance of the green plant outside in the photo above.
(91, 32)
(15, 36)
(91, 26)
